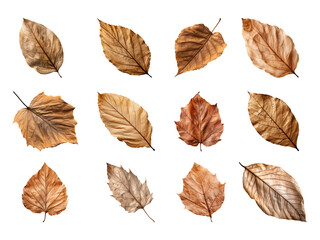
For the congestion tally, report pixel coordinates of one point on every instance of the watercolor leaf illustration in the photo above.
(47, 122)
(202, 193)
(128, 190)
(40, 47)
(269, 48)
(45, 192)
(276, 193)
(273, 120)
(125, 119)
(200, 123)
(125, 49)
(196, 46)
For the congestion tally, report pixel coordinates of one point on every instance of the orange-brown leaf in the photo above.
(202, 193)
(200, 123)
(45, 192)
(196, 46)
(47, 122)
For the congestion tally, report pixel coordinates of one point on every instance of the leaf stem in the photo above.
(45, 215)
(210, 218)
(216, 25)
(200, 148)
(148, 74)
(59, 74)
(148, 215)
(242, 165)
(20, 100)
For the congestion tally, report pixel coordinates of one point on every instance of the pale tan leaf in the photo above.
(47, 122)
(202, 193)
(275, 191)
(45, 192)
(128, 190)
(125, 120)
(273, 120)
(40, 47)
(196, 46)
(200, 123)
(125, 49)
(270, 48)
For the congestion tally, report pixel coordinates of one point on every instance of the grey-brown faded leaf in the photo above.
(128, 190)
(40, 47)
(275, 191)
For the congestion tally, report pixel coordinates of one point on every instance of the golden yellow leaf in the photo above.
(275, 191)
(125, 120)
(45, 192)
(270, 48)
(47, 122)
(273, 120)
(202, 193)
(196, 46)
(128, 190)
(40, 47)
(125, 49)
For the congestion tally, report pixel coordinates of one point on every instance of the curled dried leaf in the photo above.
(202, 193)
(40, 47)
(276, 193)
(45, 192)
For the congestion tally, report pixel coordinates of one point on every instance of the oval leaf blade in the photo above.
(128, 190)
(200, 123)
(40, 47)
(125, 49)
(196, 46)
(202, 193)
(275, 191)
(47, 122)
(45, 192)
(269, 48)
(125, 119)
(273, 120)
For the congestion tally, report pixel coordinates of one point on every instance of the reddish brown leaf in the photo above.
(200, 123)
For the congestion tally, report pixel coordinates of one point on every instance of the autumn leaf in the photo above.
(273, 120)
(47, 122)
(269, 48)
(275, 191)
(202, 193)
(40, 47)
(200, 123)
(128, 190)
(125, 49)
(125, 120)
(196, 46)
(45, 192)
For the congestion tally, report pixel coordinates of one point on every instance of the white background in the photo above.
(91, 212)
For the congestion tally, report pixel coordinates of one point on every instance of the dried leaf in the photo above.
(125, 120)
(273, 120)
(128, 190)
(125, 49)
(47, 122)
(196, 46)
(202, 193)
(269, 48)
(40, 47)
(275, 191)
(45, 192)
(200, 122)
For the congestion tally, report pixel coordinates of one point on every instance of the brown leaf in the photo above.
(128, 190)
(40, 47)
(273, 120)
(196, 46)
(275, 191)
(47, 122)
(202, 193)
(269, 48)
(45, 192)
(125, 119)
(200, 122)
(125, 49)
